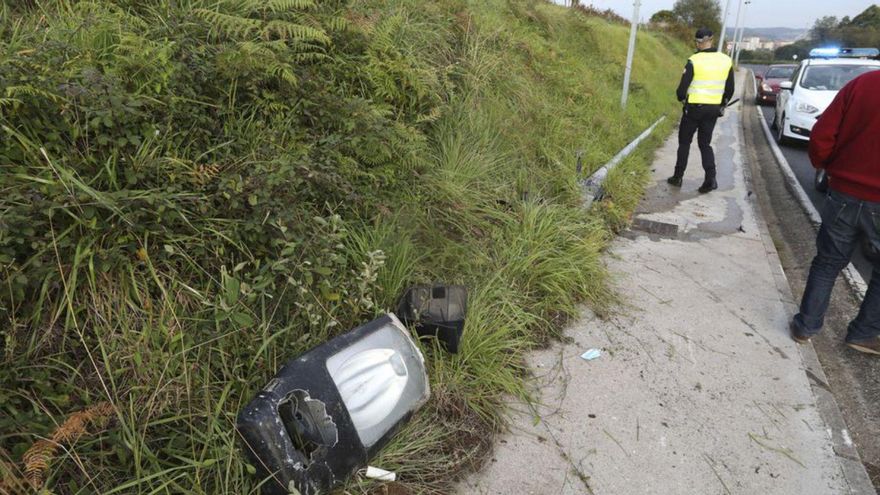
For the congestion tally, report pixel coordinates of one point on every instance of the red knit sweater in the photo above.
(846, 139)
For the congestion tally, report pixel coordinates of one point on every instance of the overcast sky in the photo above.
(761, 13)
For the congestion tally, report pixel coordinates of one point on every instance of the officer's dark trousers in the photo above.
(698, 119)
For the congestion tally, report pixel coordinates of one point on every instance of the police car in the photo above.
(813, 86)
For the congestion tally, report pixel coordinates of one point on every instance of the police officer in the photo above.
(705, 88)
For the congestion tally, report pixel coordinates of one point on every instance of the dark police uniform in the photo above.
(706, 86)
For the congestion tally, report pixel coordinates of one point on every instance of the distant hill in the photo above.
(772, 33)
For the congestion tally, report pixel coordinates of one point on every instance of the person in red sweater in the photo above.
(846, 143)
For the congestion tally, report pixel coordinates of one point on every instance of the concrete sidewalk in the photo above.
(700, 389)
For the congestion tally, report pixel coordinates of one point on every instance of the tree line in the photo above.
(686, 16)
(861, 31)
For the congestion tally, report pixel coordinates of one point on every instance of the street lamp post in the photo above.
(629, 55)
(723, 27)
(739, 45)
(736, 28)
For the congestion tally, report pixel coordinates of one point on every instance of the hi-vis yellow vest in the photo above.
(710, 76)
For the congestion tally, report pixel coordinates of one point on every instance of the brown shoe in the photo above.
(800, 339)
(869, 346)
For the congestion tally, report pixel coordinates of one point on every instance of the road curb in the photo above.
(848, 456)
(853, 277)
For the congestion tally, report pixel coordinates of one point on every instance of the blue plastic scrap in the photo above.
(591, 354)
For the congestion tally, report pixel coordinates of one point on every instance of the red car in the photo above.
(768, 82)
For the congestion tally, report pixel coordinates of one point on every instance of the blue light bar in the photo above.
(844, 53)
(859, 52)
(824, 52)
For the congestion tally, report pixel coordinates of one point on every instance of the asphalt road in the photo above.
(797, 157)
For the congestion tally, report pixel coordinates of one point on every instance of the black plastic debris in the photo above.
(327, 412)
(436, 311)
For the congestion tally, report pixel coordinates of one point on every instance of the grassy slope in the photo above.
(493, 99)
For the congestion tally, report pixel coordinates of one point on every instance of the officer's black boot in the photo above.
(709, 183)
(675, 180)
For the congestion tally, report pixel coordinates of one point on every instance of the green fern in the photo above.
(14, 91)
(257, 58)
(5, 102)
(271, 37)
(289, 31)
(283, 72)
(337, 24)
(286, 5)
(99, 11)
(274, 19)
(233, 26)
(310, 57)
(398, 69)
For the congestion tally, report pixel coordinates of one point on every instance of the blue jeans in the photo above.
(845, 222)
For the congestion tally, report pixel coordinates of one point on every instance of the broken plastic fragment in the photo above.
(591, 354)
(308, 423)
(375, 473)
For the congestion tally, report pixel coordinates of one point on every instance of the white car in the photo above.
(813, 87)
